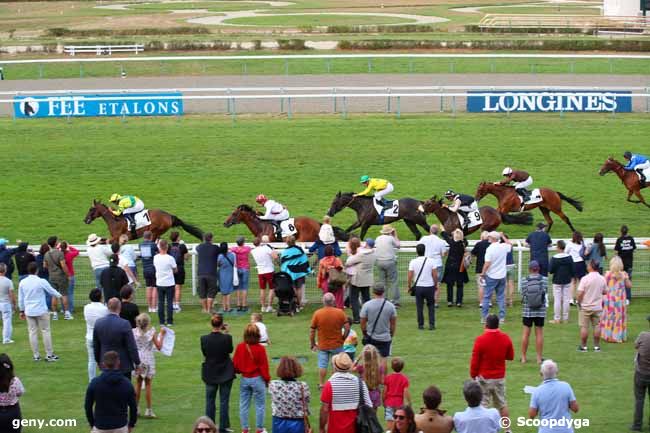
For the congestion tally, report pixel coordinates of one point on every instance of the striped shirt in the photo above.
(345, 392)
(534, 285)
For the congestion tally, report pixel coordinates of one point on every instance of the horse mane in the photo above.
(246, 208)
(350, 194)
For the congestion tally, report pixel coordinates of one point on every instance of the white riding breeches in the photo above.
(389, 188)
(643, 166)
(524, 184)
(284, 215)
(470, 208)
(139, 206)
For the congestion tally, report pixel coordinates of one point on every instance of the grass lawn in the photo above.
(316, 20)
(560, 10)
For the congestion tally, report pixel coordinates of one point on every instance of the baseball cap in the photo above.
(370, 242)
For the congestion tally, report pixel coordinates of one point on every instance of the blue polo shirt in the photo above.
(551, 399)
(477, 420)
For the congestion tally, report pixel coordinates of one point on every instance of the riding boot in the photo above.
(642, 179)
(131, 219)
(278, 231)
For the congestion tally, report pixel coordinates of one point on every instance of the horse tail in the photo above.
(340, 234)
(572, 201)
(521, 218)
(193, 230)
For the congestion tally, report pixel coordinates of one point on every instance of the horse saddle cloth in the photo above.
(141, 220)
(535, 197)
(392, 211)
(646, 173)
(288, 227)
(473, 219)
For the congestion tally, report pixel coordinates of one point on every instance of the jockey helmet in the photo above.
(450, 193)
(507, 171)
(627, 155)
(114, 198)
(365, 178)
(261, 199)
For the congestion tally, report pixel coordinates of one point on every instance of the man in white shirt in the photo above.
(264, 255)
(93, 311)
(386, 246)
(98, 254)
(435, 249)
(494, 273)
(165, 268)
(423, 283)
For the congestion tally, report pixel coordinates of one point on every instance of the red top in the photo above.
(70, 255)
(241, 253)
(394, 386)
(339, 421)
(253, 363)
(491, 350)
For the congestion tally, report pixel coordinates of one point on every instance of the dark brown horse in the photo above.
(161, 221)
(509, 201)
(490, 216)
(306, 227)
(629, 178)
(409, 211)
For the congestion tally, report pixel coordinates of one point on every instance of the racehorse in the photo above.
(409, 211)
(490, 216)
(629, 178)
(160, 220)
(307, 228)
(509, 201)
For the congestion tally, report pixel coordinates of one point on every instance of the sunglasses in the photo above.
(399, 416)
(203, 430)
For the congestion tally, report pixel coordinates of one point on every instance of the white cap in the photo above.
(507, 171)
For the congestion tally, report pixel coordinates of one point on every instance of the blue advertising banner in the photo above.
(525, 101)
(99, 105)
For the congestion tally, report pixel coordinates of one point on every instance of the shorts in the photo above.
(530, 321)
(298, 283)
(580, 269)
(494, 392)
(325, 355)
(585, 317)
(389, 412)
(383, 347)
(510, 272)
(179, 277)
(61, 285)
(149, 279)
(243, 275)
(265, 280)
(207, 286)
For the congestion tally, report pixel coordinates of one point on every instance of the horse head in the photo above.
(482, 190)
(340, 202)
(94, 212)
(432, 205)
(610, 165)
(236, 216)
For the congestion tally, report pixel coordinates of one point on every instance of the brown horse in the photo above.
(490, 216)
(509, 201)
(629, 178)
(306, 227)
(161, 221)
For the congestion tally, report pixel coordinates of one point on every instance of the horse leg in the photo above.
(565, 219)
(364, 230)
(422, 222)
(414, 229)
(641, 199)
(547, 217)
(629, 195)
(356, 225)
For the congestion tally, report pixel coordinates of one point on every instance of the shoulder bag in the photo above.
(366, 417)
(235, 275)
(305, 411)
(412, 288)
(367, 338)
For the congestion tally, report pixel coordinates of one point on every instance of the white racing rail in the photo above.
(102, 50)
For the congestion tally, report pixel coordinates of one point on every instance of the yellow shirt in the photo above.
(125, 202)
(374, 185)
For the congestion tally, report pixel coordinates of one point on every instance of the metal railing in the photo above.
(595, 22)
(103, 50)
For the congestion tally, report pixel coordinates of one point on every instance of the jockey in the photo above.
(127, 205)
(381, 187)
(638, 163)
(462, 204)
(521, 179)
(274, 213)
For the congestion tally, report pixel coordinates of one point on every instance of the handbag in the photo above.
(366, 417)
(235, 276)
(366, 338)
(412, 288)
(305, 415)
(336, 277)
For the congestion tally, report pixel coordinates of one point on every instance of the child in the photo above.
(350, 343)
(145, 339)
(256, 318)
(326, 233)
(371, 370)
(396, 390)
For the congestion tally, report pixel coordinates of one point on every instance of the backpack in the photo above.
(175, 252)
(336, 277)
(535, 293)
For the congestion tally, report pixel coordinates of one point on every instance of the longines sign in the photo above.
(549, 101)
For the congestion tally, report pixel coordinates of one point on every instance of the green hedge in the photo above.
(404, 28)
(59, 32)
(475, 28)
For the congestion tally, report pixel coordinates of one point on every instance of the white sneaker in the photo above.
(8, 342)
(55, 316)
(627, 302)
(177, 308)
(68, 316)
(148, 413)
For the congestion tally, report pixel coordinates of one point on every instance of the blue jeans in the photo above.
(166, 294)
(224, 401)
(252, 387)
(498, 286)
(243, 275)
(6, 310)
(98, 278)
(71, 281)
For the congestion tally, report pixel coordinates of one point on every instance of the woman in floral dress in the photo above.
(613, 321)
(289, 397)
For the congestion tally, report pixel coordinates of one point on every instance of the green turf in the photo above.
(211, 6)
(316, 20)
(561, 10)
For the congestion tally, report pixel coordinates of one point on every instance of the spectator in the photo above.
(372, 371)
(552, 400)
(563, 270)
(114, 334)
(226, 263)
(23, 257)
(576, 249)
(435, 249)
(625, 247)
(326, 323)
(113, 278)
(70, 253)
(641, 376)
(179, 252)
(479, 252)
(597, 251)
(165, 266)
(432, 419)
(510, 271)
(378, 323)
(325, 237)
(256, 319)
(7, 304)
(330, 264)
(243, 273)
(217, 370)
(352, 248)
(294, 262)
(148, 251)
(488, 366)
(404, 421)
(11, 389)
(207, 253)
(93, 311)
(145, 340)
(455, 272)
(264, 255)
(396, 391)
(5, 256)
(613, 323)
(203, 424)
(98, 254)
(340, 398)
(108, 398)
(129, 309)
(422, 280)
(122, 264)
(361, 263)
(42, 272)
(386, 246)
(32, 306)
(289, 397)
(538, 242)
(476, 418)
(127, 252)
(351, 341)
(533, 309)
(54, 262)
(590, 296)
(494, 272)
(251, 362)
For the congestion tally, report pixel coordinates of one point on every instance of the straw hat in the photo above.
(387, 229)
(342, 362)
(92, 240)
